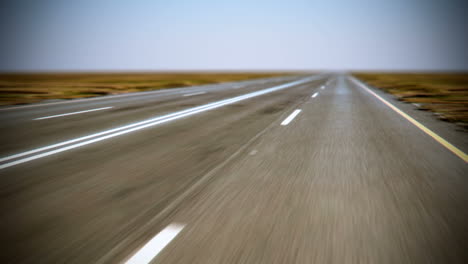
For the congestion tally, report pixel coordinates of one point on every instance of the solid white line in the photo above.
(314, 95)
(73, 113)
(93, 138)
(170, 91)
(149, 251)
(192, 94)
(426, 130)
(291, 117)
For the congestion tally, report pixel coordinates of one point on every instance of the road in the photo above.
(297, 169)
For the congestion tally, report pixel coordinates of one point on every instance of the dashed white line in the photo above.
(151, 249)
(291, 117)
(253, 152)
(73, 113)
(314, 95)
(192, 94)
(323, 87)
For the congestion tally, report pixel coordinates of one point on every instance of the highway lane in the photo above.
(77, 205)
(136, 96)
(21, 132)
(320, 172)
(10, 115)
(346, 181)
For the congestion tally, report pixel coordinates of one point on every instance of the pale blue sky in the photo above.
(48, 35)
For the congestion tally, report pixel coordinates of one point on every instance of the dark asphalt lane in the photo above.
(91, 197)
(347, 180)
(19, 132)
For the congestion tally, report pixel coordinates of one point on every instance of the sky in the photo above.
(154, 35)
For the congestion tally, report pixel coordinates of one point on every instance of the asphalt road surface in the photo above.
(302, 169)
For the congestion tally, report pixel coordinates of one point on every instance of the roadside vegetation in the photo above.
(445, 94)
(30, 88)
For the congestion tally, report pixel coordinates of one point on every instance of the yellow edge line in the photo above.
(426, 130)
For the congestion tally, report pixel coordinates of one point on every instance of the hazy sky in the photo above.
(45, 35)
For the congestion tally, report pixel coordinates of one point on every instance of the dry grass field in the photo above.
(445, 94)
(30, 88)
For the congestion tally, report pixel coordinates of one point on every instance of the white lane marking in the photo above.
(169, 91)
(314, 95)
(323, 87)
(426, 130)
(253, 152)
(291, 117)
(138, 126)
(151, 249)
(73, 113)
(192, 94)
